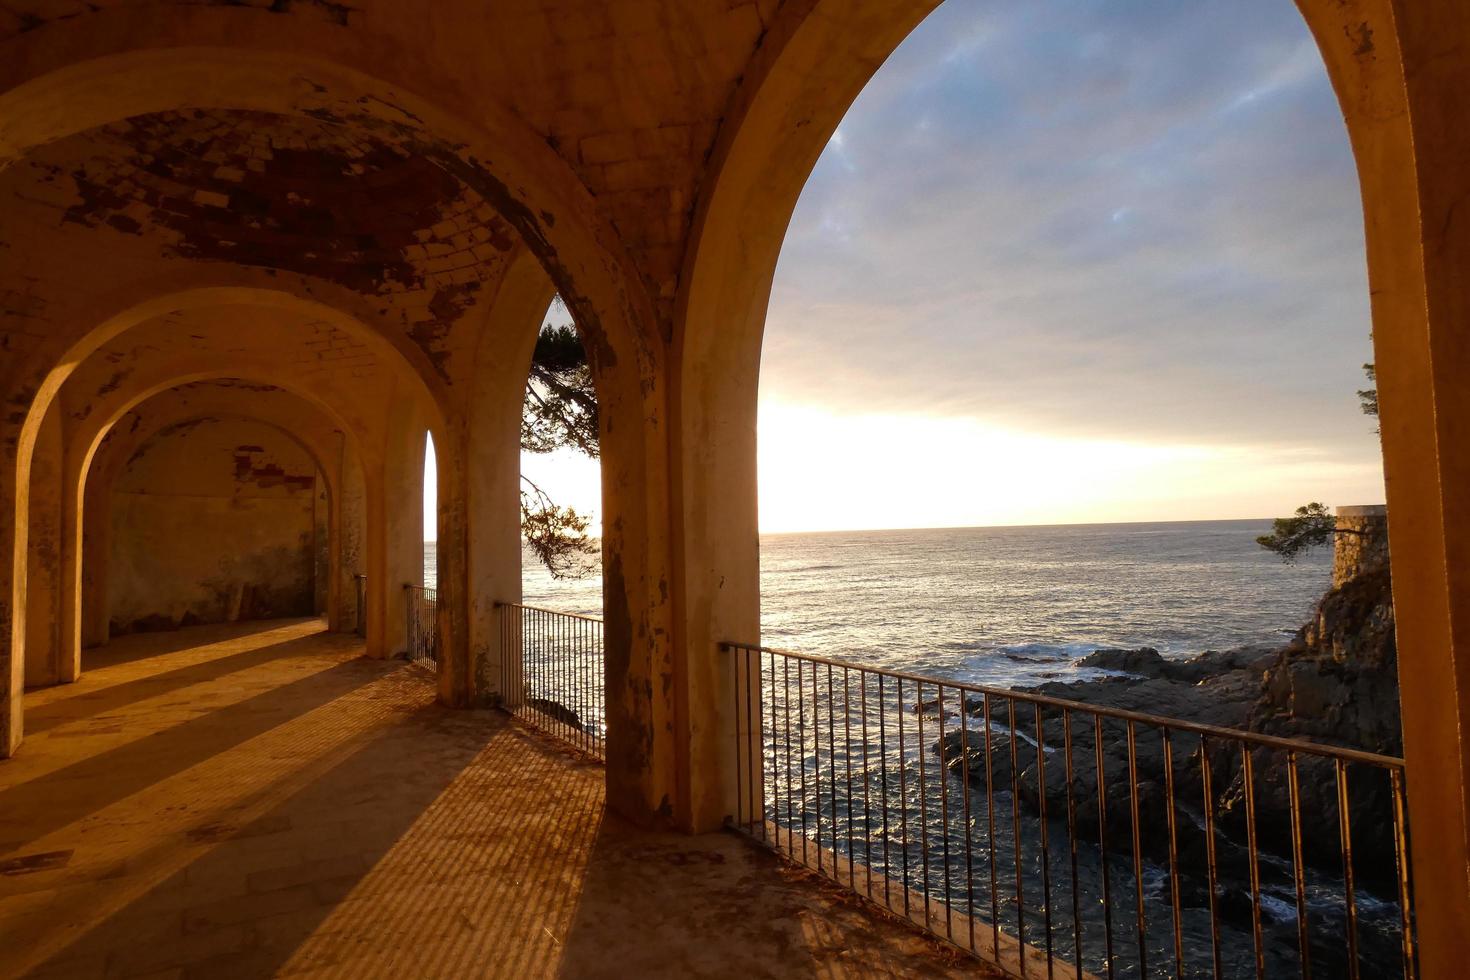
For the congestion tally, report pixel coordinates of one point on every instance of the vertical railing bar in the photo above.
(1298, 867)
(832, 766)
(1208, 787)
(990, 837)
(577, 660)
(739, 748)
(867, 785)
(755, 743)
(1139, 911)
(944, 817)
(801, 757)
(969, 829)
(1045, 848)
(1345, 832)
(1102, 841)
(1072, 842)
(1174, 898)
(847, 755)
(817, 762)
(801, 728)
(790, 782)
(775, 763)
(883, 764)
(903, 799)
(558, 680)
(1016, 833)
(1401, 859)
(923, 804)
(583, 656)
(1248, 778)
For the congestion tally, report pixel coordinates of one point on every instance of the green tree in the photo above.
(1368, 397)
(1313, 525)
(560, 412)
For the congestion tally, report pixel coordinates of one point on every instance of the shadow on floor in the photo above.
(108, 699)
(373, 870)
(97, 781)
(342, 824)
(133, 647)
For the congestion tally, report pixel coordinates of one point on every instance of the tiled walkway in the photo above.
(257, 800)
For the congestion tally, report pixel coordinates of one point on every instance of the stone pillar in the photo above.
(69, 617)
(350, 514)
(493, 469)
(326, 578)
(396, 534)
(96, 543)
(1401, 79)
(44, 569)
(14, 508)
(1361, 544)
(457, 672)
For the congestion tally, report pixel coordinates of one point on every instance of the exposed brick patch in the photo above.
(336, 199)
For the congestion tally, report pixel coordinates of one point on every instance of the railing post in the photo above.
(749, 761)
(511, 656)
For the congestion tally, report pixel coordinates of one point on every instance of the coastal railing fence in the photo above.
(1054, 837)
(551, 673)
(422, 621)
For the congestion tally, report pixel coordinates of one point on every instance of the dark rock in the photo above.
(1313, 689)
(556, 711)
(1145, 661)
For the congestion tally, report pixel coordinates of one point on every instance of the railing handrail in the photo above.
(542, 609)
(1122, 714)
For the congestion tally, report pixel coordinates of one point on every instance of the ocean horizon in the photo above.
(1010, 605)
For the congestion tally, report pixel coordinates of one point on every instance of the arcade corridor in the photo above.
(259, 798)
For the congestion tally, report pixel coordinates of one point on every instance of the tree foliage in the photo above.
(560, 412)
(561, 404)
(556, 535)
(1368, 397)
(1312, 525)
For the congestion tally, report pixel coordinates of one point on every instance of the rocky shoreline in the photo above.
(1335, 682)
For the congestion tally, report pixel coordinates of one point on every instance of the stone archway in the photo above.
(1391, 65)
(548, 208)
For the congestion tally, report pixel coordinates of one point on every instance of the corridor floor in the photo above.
(259, 799)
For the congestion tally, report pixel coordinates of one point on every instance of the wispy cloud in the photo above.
(1123, 220)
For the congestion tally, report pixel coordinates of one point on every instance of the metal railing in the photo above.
(551, 674)
(360, 581)
(1052, 837)
(422, 621)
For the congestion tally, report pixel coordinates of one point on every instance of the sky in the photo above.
(1072, 262)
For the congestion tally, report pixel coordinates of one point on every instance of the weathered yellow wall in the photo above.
(212, 521)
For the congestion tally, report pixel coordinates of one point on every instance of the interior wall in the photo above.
(214, 520)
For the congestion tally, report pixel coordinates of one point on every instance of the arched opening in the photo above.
(555, 672)
(431, 513)
(414, 280)
(561, 473)
(98, 458)
(378, 179)
(969, 205)
(216, 521)
(421, 598)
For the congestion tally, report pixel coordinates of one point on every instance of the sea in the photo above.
(1009, 606)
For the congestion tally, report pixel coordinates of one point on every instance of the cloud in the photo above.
(1127, 220)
